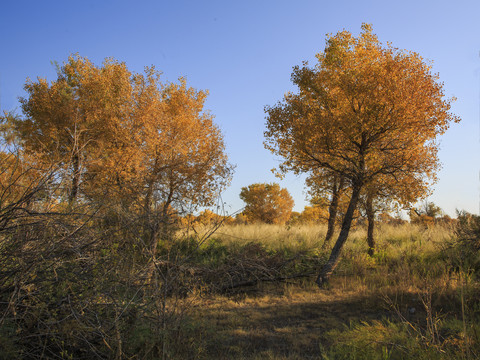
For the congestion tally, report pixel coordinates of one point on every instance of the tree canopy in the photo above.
(366, 112)
(267, 203)
(124, 138)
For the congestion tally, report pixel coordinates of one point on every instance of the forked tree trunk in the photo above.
(371, 225)
(332, 212)
(332, 262)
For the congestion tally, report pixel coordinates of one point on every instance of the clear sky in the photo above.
(243, 53)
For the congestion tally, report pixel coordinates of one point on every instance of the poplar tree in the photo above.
(364, 112)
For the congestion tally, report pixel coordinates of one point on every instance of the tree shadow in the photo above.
(286, 330)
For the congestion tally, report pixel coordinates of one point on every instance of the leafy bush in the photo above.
(468, 231)
(464, 250)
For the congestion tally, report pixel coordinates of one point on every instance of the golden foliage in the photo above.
(16, 180)
(314, 215)
(366, 112)
(125, 136)
(207, 218)
(267, 203)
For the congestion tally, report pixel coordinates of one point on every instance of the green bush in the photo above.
(467, 242)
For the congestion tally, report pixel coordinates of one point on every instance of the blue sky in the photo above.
(243, 53)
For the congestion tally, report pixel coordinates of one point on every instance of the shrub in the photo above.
(466, 244)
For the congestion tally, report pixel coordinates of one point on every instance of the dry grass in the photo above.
(275, 237)
(281, 322)
(296, 320)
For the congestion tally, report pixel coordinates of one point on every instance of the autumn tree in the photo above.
(267, 203)
(126, 139)
(426, 214)
(311, 215)
(68, 121)
(364, 112)
(314, 214)
(184, 158)
(430, 209)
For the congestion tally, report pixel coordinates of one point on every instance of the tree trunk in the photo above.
(332, 212)
(75, 179)
(162, 227)
(332, 262)
(371, 225)
(148, 225)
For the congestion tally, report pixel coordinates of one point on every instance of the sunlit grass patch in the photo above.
(388, 339)
(353, 317)
(359, 315)
(275, 237)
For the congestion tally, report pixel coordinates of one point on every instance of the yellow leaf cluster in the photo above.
(124, 136)
(267, 203)
(366, 112)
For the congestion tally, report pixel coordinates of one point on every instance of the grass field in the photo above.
(413, 299)
(241, 292)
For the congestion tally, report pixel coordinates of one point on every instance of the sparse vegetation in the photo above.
(71, 289)
(243, 292)
(409, 301)
(75, 283)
